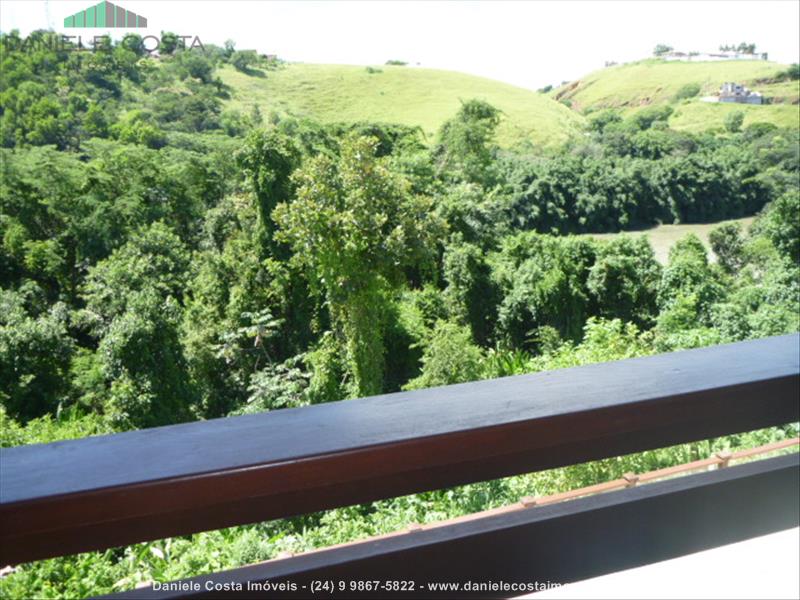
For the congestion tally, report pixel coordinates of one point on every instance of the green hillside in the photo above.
(397, 94)
(633, 86)
(697, 116)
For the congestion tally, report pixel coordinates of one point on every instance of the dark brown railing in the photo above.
(96, 493)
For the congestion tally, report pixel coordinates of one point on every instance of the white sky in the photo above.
(529, 44)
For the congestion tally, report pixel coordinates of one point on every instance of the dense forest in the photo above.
(166, 259)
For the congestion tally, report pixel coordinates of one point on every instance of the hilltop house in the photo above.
(736, 92)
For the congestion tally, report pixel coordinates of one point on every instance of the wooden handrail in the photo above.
(112, 490)
(561, 542)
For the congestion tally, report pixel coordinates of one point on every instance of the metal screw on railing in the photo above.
(631, 479)
(725, 459)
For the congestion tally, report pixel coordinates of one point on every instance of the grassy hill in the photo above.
(397, 94)
(633, 86)
(697, 116)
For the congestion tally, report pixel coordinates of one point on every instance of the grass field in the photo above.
(664, 237)
(784, 92)
(406, 95)
(698, 116)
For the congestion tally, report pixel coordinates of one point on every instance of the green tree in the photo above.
(154, 259)
(624, 280)
(728, 245)
(268, 159)
(733, 121)
(170, 42)
(133, 305)
(780, 223)
(95, 122)
(450, 357)
(244, 60)
(35, 352)
(688, 275)
(599, 121)
(465, 147)
(134, 43)
(471, 295)
(355, 225)
(142, 361)
(543, 283)
(136, 127)
(689, 90)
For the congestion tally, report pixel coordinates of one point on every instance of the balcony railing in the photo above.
(75, 496)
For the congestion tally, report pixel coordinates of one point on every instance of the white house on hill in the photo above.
(736, 92)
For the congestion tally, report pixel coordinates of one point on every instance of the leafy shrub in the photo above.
(244, 60)
(780, 223)
(450, 356)
(792, 73)
(35, 352)
(690, 90)
(734, 120)
(646, 117)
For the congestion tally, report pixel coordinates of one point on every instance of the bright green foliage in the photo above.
(68, 425)
(464, 151)
(132, 301)
(624, 280)
(354, 224)
(599, 121)
(728, 245)
(733, 121)
(330, 379)
(244, 60)
(602, 341)
(688, 273)
(689, 90)
(277, 386)
(154, 259)
(268, 160)
(450, 357)
(647, 117)
(764, 295)
(543, 283)
(143, 364)
(781, 225)
(35, 351)
(136, 127)
(471, 295)
(477, 217)
(96, 123)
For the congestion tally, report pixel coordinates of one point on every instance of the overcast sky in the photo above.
(529, 44)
